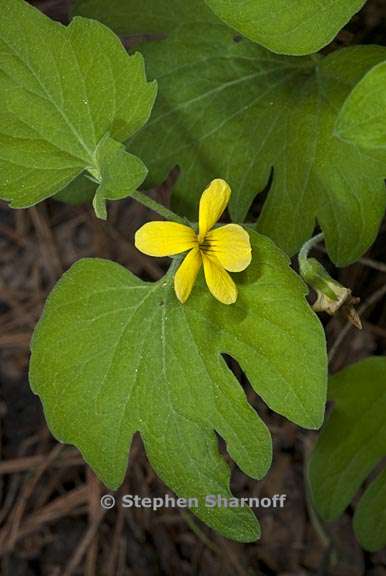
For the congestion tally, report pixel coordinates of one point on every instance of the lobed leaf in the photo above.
(236, 110)
(150, 17)
(299, 27)
(351, 444)
(362, 119)
(65, 95)
(113, 355)
(79, 191)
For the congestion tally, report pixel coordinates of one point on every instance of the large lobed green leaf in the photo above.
(362, 119)
(113, 355)
(68, 98)
(149, 16)
(351, 444)
(235, 110)
(298, 27)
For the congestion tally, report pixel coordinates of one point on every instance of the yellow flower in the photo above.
(218, 249)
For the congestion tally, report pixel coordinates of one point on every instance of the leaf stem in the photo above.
(157, 207)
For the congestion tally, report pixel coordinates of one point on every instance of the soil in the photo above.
(51, 522)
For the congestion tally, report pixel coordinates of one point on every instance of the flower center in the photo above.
(206, 245)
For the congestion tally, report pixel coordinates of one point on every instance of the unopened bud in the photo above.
(331, 295)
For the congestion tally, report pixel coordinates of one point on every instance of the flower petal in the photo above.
(165, 238)
(213, 202)
(186, 274)
(231, 246)
(218, 280)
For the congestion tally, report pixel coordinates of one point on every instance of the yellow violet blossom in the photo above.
(222, 249)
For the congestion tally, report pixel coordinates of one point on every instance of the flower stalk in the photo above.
(331, 295)
(157, 207)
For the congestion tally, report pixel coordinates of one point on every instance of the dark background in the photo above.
(51, 521)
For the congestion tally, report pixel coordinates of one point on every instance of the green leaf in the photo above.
(351, 444)
(297, 27)
(234, 110)
(113, 355)
(79, 191)
(119, 174)
(370, 516)
(149, 16)
(65, 95)
(362, 119)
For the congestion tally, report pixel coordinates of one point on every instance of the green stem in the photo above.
(303, 254)
(199, 533)
(316, 57)
(157, 207)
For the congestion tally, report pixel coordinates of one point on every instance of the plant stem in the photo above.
(316, 57)
(157, 207)
(307, 246)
